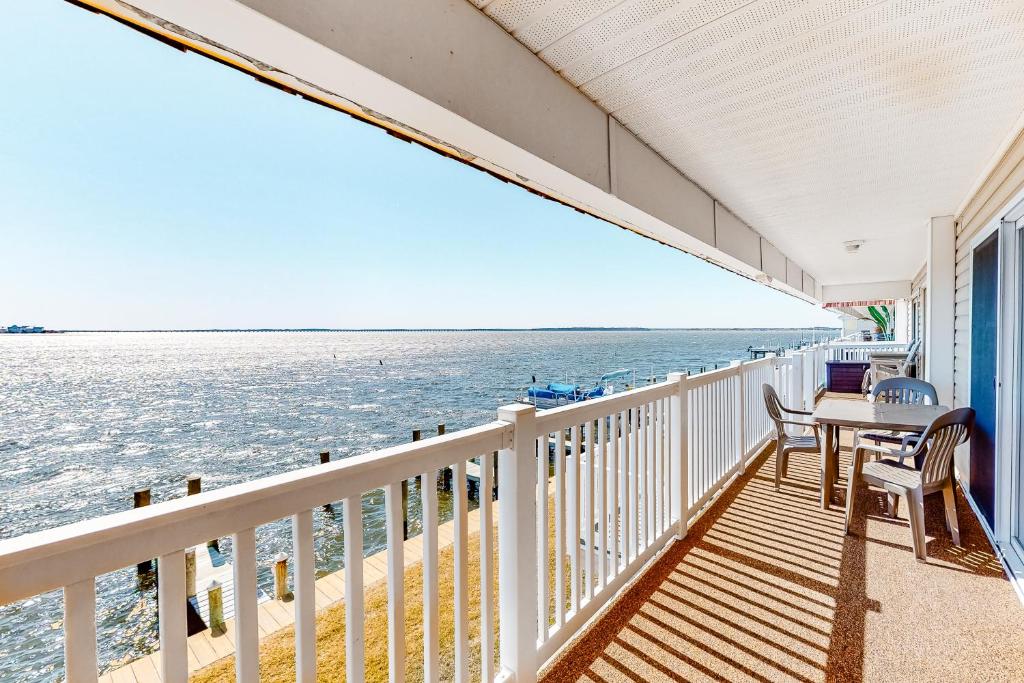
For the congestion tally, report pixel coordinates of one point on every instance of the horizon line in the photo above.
(574, 328)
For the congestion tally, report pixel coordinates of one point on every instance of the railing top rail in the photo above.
(578, 413)
(864, 344)
(713, 376)
(767, 360)
(47, 560)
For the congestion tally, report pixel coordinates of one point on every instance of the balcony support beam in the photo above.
(941, 292)
(445, 75)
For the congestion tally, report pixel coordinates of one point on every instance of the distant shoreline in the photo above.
(477, 329)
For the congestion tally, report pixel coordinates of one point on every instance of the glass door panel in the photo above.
(1018, 494)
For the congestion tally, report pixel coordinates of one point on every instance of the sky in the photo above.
(146, 188)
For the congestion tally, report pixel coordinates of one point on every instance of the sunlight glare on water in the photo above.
(86, 418)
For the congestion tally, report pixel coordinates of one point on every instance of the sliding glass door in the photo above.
(1018, 408)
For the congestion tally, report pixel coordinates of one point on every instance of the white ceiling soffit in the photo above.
(815, 121)
(443, 74)
(864, 292)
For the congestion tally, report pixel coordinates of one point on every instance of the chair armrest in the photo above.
(910, 440)
(813, 425)
(794, 411)
(882, 450)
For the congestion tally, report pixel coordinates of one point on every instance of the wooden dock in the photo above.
(206, 647)
(212, 566)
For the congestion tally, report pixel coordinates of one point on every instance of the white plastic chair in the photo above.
(905, 390)
(936, 445)
(786, 443)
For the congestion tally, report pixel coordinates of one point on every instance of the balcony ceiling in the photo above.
(816, 122)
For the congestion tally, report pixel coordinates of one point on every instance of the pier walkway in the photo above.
(207, 647)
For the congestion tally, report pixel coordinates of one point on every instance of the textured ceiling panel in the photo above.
(814, 121)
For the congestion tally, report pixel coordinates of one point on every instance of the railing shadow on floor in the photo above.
(973, 556)
(764, 587)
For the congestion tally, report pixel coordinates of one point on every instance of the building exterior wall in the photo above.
(1003, 183)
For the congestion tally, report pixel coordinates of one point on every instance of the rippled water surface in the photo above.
(85, 418)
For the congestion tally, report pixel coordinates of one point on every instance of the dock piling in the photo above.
(416, 437)
(281, 576)
(494, 475)
(190, 573)
(215, 596)
(194, 484)
(446, 473)
(405, 509)
(325, 457)
(140, 499)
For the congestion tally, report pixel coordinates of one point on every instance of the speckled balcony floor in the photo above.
(766, 587)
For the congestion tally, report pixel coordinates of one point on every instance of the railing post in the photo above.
(809, 385)
(777, 373)
(794, 385)
(741, 416)
(680, 452)
(517, 545)
(80, 631)
(796, 380)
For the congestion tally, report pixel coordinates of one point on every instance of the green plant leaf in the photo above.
(879, 317)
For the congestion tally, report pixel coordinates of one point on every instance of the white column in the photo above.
(941, 283)
(901, 321)
(517, 545)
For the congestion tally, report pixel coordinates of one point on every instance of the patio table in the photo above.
(833, 414)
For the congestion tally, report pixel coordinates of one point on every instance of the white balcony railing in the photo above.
(861, 351)
(612, 481)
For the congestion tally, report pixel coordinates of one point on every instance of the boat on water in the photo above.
(555, 394)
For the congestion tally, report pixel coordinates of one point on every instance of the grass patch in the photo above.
(277, 651)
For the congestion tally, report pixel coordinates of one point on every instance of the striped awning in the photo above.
(860, 304)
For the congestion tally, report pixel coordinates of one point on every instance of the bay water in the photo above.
(86, 418)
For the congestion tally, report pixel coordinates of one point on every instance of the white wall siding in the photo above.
(1004, 181)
